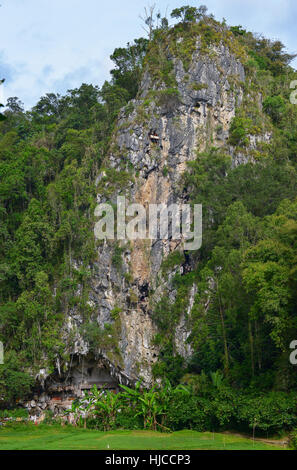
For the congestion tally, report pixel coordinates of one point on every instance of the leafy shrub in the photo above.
(15, 384)
(15, 413)
(275, 107)
(238, 30)
(176, 258)
(117, 259)
(168, 98)
(273, 412)
(126, 419)
(239, 130)
(189, 412)
(170, 366)
(224, 403)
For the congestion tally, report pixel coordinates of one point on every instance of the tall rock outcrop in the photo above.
(183, 123)
(156, 135)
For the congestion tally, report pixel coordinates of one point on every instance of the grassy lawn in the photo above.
(43, 437)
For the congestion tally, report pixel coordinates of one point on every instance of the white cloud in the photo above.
(51, 45)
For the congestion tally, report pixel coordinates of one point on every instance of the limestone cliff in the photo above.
(155, 136)
(197, 116)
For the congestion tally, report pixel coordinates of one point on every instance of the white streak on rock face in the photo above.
(183, 331)
(42, 375)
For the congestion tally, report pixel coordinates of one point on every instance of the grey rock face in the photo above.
(198, 118)
(182, 127)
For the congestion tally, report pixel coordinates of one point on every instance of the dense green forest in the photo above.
(244, 315)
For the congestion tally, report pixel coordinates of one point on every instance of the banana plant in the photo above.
(77, 409)
(152, 404)
(104, 405)
(165, 394)
(217, 378)
(147, 403)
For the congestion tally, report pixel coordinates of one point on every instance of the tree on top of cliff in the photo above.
(188, 14)
(128, 65)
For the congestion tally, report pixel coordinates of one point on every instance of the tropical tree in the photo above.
(103, 404)
(152, 404)
(145, 403)
(188, 14)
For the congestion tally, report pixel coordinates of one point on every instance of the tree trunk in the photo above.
(226, 352)
(252, 348)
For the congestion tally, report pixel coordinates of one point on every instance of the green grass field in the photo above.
(29, 437)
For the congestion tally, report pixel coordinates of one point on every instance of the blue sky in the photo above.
(53, 45)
